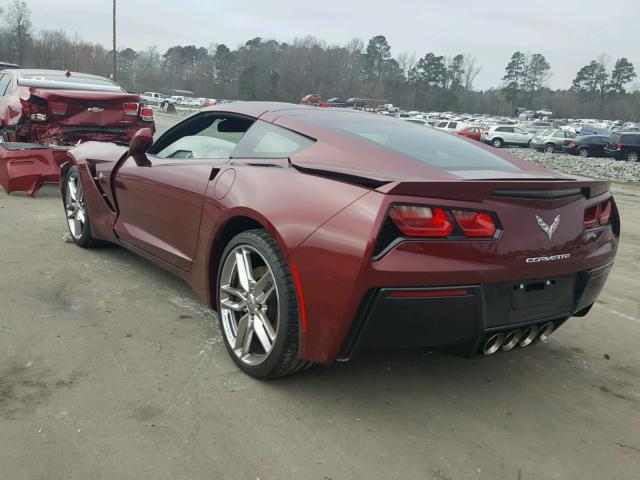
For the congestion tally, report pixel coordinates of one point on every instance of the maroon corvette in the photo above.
(315, 233)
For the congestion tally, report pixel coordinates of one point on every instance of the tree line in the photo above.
(263, 69)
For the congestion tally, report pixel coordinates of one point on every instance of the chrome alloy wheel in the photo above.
(249, 305)
(75, 206)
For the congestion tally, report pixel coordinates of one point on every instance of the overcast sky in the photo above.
(570, 33)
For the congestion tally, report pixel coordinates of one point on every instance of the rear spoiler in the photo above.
(477, 190)
(53, 85)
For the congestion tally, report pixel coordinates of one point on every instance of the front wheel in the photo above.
(76, 211)
(258, 307)
(549, 148)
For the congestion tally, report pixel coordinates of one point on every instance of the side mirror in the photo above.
(141, 142)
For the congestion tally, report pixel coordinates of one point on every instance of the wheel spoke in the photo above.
(234, 291)
(246, 347)
(231, 305)
(243, 265)
(72, 190)
(263, 282)
(262, 319)
(80, 215)
(263, 336)
(77, 227)
(241, 332)
(263, 297)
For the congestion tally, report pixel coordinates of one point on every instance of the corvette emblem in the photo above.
(549, 230)
(95, 109)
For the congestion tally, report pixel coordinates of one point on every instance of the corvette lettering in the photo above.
(552, 258)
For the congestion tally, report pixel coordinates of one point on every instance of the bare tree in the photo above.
(471, 70)
(18, 20)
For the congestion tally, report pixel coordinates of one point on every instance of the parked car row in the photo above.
(590, 140)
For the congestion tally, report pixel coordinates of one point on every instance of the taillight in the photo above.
(419, 221)
(415, 221)
(58, 108)
(146, 114)
(619, 147)
(591, 217)
(571, 144)
(130, 108)
(475, 224)
(605, 212)
(599, 214)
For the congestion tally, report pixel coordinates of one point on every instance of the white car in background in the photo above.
(449, 126)
(500, 135)
(154, 98)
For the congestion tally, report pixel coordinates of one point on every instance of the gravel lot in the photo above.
(111, 369)
(604, 168)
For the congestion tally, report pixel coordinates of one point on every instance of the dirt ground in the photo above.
(111, 369)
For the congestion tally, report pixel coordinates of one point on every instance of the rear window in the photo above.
(630, 139)
(265, 140)
(72, 79)
(432, 147)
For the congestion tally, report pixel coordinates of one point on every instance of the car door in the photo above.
(507, 134)
(160, 196)
(520, 136)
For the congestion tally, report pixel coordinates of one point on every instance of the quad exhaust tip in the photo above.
(545, 331)
(517, 338)
(511, 339)
(494, 343)
(529, 335)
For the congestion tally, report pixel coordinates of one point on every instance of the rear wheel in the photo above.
(76, 211)
(497, 142)
(583, 152)
(549, 148)
(633, 156)
(258, 307)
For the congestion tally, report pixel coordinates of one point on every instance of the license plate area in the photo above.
(533, 293)
(528, 300)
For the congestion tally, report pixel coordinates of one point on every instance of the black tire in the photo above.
(497, 142)
(583, 152)
(84, 238)
(632, 156)
(549, 148)
(283, 358)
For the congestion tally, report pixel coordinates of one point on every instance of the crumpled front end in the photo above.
(27, 167)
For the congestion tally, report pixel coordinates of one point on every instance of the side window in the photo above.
(206, 136)
(558, 134)
(453, 124)
(265, 140)
(500, 129)
(519, 130)
(507, 129)
(5, 80)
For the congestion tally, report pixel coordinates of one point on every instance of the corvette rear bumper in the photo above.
(463, 316)
(27, 167)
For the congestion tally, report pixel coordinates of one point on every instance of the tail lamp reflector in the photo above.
(475, 224)
(58, 108)
(427, 293)
(146, 114)
(415, 221)
(130, 108)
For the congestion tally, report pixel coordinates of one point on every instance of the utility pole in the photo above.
(115, 52)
